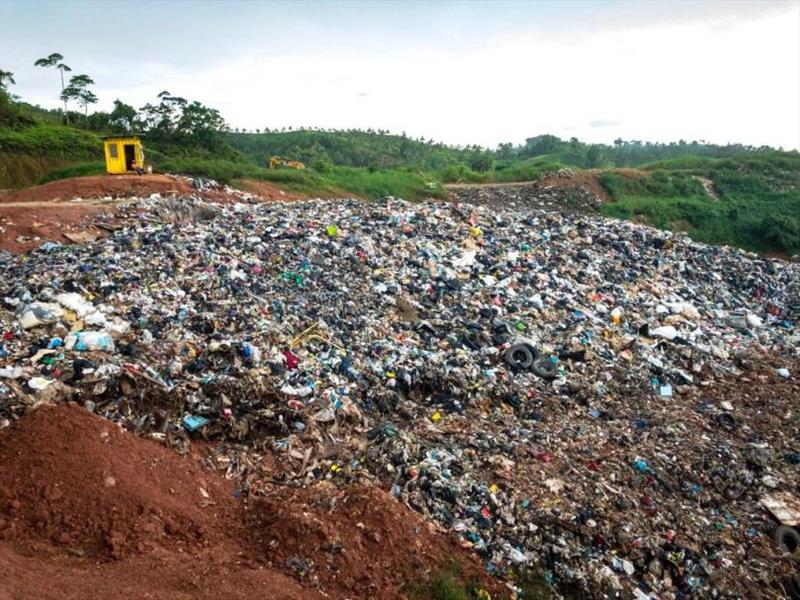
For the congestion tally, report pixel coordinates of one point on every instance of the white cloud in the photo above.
(722, 80)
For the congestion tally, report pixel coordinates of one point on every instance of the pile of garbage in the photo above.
(556, 192)
(545, 385)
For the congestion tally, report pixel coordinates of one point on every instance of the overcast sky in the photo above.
(459, 72)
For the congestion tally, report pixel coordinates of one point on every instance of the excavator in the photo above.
(278, 161)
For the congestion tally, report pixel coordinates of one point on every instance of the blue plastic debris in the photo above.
(194, 422)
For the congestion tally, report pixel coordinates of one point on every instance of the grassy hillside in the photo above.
(28, 153)
(733, 194)
(347, 148)
(757, 203)
(41, 151)
(47, 139)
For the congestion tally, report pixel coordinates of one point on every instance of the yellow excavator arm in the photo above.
(278, 161)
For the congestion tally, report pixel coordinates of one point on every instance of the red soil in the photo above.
(31, 216)
(88, 510)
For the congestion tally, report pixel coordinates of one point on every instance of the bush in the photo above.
(58, 141)
(77, 170)
(612, 183)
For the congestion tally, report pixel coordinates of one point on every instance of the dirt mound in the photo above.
(207, 575)
(115, 186)
(105, 513)
(28, 227)
(82, 209)
(80, 481)
(359, 542)
(565, 190)
(567, 179)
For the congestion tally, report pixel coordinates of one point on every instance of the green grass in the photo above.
(448, 583)
(658, 183)
(46, 139)
(76, 170)
(683, 163)
(760, 226)
(361, 182)
(758, 207)
(504, 172)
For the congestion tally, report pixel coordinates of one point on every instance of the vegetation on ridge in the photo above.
(733, 194)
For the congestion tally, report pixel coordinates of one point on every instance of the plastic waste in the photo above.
(37, 314)
(88, 341)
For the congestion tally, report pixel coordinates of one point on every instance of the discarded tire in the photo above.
(520, 357)
(792, 587)
(787, 538)
(472, 339)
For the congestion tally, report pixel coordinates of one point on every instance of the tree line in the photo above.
(169, 119)
(175, 120)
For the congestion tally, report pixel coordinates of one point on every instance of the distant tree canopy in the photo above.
(54, 60)
(174, 119)
(622, 153)
(78, 90)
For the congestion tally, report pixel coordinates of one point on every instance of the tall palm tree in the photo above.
(78, 90)
(54, 60)
(6, 79)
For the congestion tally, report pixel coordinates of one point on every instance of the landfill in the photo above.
(604, 402)
(564, 190)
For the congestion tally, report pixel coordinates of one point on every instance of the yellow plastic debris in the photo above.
(436, 417)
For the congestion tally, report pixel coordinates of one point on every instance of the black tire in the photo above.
(787, 538)
(792, 587)
(519, 357)
(472, 339)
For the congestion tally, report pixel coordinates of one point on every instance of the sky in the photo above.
(458, 72)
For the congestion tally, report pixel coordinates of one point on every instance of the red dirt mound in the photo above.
(28, 227)
(569, 179)
(80, 481)
(88, 510)
(269, 191)
(99, 186)
(31, 216)
(355, 543)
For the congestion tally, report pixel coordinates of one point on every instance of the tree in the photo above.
(123, 119)
(10, 113)
(6, 79)
(54, 61)
(78, 90)
(200, 122)
(541, 144)
(100, 121)
(481, 162)
(505, 150)
(593, 156)
(161, 119)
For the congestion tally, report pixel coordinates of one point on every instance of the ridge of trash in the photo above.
(541, 383)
